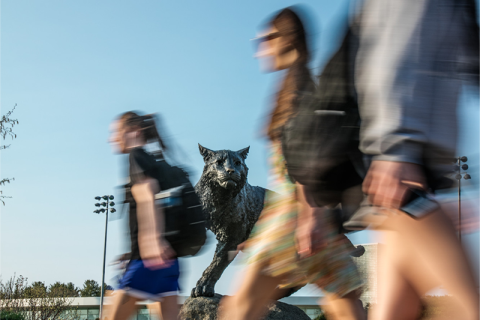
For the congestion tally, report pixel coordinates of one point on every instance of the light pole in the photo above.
(461, 173)
(106, 204)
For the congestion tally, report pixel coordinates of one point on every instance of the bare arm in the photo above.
(150, 219)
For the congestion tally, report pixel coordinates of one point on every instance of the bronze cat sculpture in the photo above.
(231, 207)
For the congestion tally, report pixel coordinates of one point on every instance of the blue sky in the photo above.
(72, 66)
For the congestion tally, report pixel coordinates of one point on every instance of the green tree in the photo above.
(13, 288)
(59, 289)
(6, 130)
(34, 302)
(91, 288)
(6, 315)
(107, 287)
(36, 289)
(72, 290)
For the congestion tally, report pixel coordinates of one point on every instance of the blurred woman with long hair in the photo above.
(295, 241)
(153, 271)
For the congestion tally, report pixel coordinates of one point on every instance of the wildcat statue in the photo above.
(231, 207)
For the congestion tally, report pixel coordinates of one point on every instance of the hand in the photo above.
(387, 182)
(163, 258)
(309, 235)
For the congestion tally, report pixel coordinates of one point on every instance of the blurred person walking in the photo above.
(295, 241)
(153, 270)
(410, 63)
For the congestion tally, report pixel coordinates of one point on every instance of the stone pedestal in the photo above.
(203, 308)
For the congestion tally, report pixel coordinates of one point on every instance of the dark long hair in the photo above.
(147, 125)
(291, 27)
(153, 130)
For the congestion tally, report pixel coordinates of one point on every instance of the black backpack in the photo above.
(321, 140)
(185, 228)
(184, 220)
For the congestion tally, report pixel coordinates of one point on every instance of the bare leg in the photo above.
(169, 308)
(155, 310)
(433, 245)
(397, 300)
(257, 290)
(123, 306)
(251, 300)
(346, 307)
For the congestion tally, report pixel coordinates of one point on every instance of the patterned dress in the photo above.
(272, 241)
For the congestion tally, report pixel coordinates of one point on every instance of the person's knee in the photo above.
(123, 306)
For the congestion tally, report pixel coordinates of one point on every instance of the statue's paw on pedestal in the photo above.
(205, 308)
(202, 291)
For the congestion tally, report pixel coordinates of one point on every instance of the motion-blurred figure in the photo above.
(412, 58)
(295, 241)
(152, 271)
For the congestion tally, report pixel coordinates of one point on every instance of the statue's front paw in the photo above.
(203, 291)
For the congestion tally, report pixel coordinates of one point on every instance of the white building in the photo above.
(88, 308)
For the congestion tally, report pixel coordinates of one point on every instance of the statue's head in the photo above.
(225, 168)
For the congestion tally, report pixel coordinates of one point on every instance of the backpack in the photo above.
(323, 135)
(185, 228)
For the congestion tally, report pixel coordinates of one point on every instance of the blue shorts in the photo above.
(147, 284)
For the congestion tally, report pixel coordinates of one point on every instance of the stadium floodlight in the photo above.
(461, 168)
(106, 208)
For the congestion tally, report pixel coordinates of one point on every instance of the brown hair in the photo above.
(146, 124)
(292, 30)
